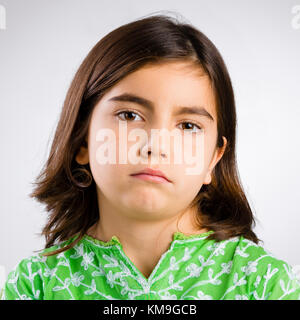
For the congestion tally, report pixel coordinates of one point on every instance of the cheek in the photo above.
(195, 153)
(191, 174)
(102, 174)
(187, 188)
(102, 157)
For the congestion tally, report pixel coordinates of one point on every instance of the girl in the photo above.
(126, 230)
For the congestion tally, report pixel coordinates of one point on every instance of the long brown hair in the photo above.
(68, 189)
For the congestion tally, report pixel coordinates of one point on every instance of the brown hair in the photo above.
(68, 189)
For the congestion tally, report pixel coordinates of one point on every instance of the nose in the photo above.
(154, 148)
(149, 151)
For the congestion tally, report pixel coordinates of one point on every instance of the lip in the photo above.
(151, 175)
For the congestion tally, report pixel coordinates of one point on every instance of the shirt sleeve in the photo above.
(278, 283)
(24, 282)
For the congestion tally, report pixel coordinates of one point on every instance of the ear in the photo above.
(82, 156)
(216, 158)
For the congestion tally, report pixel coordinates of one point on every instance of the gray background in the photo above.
(43, 45)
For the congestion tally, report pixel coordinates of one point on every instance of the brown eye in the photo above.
(190, 125)
(128, 115)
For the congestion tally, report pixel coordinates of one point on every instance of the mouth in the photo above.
(151, 175)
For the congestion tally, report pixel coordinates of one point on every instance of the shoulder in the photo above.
(27, 280)
(267, 276)
(24, 282)
(256, 255)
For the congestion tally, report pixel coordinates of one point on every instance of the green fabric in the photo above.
(193, 268)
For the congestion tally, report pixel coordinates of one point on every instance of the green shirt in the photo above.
(193, 268)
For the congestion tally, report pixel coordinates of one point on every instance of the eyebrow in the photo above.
(128, 97)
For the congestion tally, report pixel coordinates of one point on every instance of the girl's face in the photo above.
(168, 88)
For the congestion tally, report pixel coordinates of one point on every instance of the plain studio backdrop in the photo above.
(43, 42)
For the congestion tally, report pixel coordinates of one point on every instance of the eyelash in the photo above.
(129, 111)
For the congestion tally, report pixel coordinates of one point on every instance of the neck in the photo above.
(143, 241)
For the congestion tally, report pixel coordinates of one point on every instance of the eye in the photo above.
(129, 115)
(191, 124)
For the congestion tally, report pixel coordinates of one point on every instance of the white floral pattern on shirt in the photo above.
(193, 268)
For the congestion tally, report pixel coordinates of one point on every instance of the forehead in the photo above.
(169, 84)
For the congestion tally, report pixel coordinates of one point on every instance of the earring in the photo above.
(82, 177)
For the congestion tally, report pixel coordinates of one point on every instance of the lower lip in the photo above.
(149, 177)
